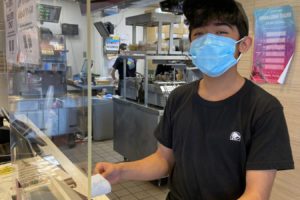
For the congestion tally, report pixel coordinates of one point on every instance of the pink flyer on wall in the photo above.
(274, 46)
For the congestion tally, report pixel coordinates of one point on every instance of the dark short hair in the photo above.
(123, 46)
(201, 12)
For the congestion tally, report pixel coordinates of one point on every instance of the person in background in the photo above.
(118, 65)
(221, 137)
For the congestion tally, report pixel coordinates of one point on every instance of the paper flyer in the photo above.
(11, 31)
(29, 51)
(28, 35)
(274, 46)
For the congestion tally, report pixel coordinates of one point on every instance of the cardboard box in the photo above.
(185, 29)
(150, 10)
(175, 36)
(151, 34)
(177, 29)
(154, 10)
(151, 66)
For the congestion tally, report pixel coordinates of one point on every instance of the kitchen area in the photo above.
(85, 82)
(45, 112)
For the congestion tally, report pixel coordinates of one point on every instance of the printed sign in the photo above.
(29, 51)
(274, 44)
(112, 44)
(26, 14)
(29, 46)
(11, 31)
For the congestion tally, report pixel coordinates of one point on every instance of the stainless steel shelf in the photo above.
(153, 19)
(150, 20)
(192, 68)
(168, 57)
(146, 55)
(144, 52)
(157, 20)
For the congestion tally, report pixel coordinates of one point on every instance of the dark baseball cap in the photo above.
(201, 12)
(123, 46)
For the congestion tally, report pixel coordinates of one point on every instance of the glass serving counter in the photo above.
(39, 165)
(42, 131)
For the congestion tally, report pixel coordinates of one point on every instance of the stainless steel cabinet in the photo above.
(20, 113)
(134, 125)
(102, 119)
(69, 116)
(68, 121)
(25, 105)
(51, 122)
(37, 117)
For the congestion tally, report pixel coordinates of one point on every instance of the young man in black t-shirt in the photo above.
(221, 137)
(118, 65)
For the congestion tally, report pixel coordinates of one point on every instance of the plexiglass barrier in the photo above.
(45, 116)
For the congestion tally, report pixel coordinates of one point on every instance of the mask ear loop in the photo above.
(241, 54)
(239, 57)
(240, 40)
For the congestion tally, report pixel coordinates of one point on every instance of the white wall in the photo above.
(101, 63)
(76, 45)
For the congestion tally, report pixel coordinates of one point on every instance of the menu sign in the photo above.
(112, 44)
(49, 13)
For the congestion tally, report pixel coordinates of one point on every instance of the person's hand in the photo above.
(109, 171)
(116, 80)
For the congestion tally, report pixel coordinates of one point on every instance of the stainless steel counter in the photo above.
(66, 115)
(134, 126)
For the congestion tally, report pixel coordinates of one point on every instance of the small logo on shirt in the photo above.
(130, 63)
(235, 136)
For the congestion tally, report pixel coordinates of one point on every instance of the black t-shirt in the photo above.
(214, 143)
(130, 67)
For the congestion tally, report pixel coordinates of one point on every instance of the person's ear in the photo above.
(245, 44)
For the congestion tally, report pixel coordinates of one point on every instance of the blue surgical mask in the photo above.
(214, 54)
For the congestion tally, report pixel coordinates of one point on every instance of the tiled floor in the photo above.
(124, 189)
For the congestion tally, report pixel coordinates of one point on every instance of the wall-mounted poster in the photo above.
(274, 46)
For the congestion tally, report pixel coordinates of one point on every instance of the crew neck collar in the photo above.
(236, 95)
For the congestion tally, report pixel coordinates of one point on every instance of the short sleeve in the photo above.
(163, 131)
(270, 144)
(117, 64)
